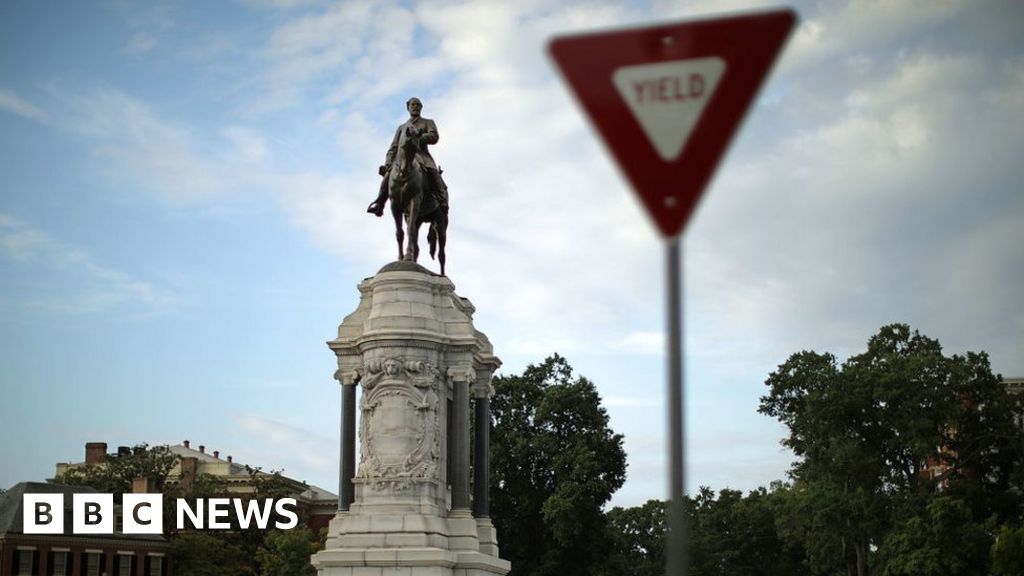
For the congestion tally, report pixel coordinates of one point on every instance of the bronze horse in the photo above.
(412, 198)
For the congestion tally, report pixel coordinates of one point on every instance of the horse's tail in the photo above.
(432, 240)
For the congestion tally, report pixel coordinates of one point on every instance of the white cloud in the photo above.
(817, 231)
(96, 287)
(301, 453)
(149, 24)
(139, 148)
(643, 342)
(15, 104)
(827, 233)
(248, 145)
(365, 49)
(632, 401)
(835, 29)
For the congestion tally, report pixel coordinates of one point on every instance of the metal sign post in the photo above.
(677, 548)
(666, 101)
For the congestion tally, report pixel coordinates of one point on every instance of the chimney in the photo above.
(185, 443)
(216, 454)
(202, 449)
(95, 452)
(143, 485)
(123, 451)
(189, 468)
(229, 458)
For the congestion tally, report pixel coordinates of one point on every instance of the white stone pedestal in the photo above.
(411, 347)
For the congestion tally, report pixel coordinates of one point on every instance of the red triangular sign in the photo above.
(667, 99)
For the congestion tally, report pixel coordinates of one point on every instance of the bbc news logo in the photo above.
(144, 514)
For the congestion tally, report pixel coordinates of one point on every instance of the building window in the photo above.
(59, 564)
(124, 565)
(156, 566)
(25, 562)
(92, 564)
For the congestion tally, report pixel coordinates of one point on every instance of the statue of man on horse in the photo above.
(412, 181)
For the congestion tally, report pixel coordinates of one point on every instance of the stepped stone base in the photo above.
(410, 545)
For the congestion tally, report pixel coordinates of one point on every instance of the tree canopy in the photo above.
(899, 449)
(555, 464)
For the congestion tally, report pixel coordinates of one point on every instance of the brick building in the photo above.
(67, 554)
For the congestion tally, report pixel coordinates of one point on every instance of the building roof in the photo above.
(316, 494)
(232, 468)
(233, 472)
(11, 503)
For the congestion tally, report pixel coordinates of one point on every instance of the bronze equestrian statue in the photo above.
(413, 183)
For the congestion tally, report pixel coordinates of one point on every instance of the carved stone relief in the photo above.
(400, 426)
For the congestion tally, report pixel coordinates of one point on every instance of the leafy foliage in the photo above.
(204, 554)
(555, 463)
(1008, 552)
(638, 536)
(286, 553)
(943, 540)
(737, 536)
(730, 535)
(897, 446)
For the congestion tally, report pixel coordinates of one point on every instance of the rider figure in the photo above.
(428, 135)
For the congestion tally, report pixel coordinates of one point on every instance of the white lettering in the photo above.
(281, 509)
(252, 509)
(218, 509)
(185, 510)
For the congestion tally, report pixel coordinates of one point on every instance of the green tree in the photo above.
(203, 554)
(555, 463)
(286, 553)
(870, 435)
(944, 540)
(1008, 552)
(736, 535)
(638, 536)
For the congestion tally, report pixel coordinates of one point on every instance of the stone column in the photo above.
(482, 459)
(482, 390)
(346, 489)
(461, 379)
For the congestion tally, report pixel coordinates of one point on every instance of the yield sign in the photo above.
(667, 99)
